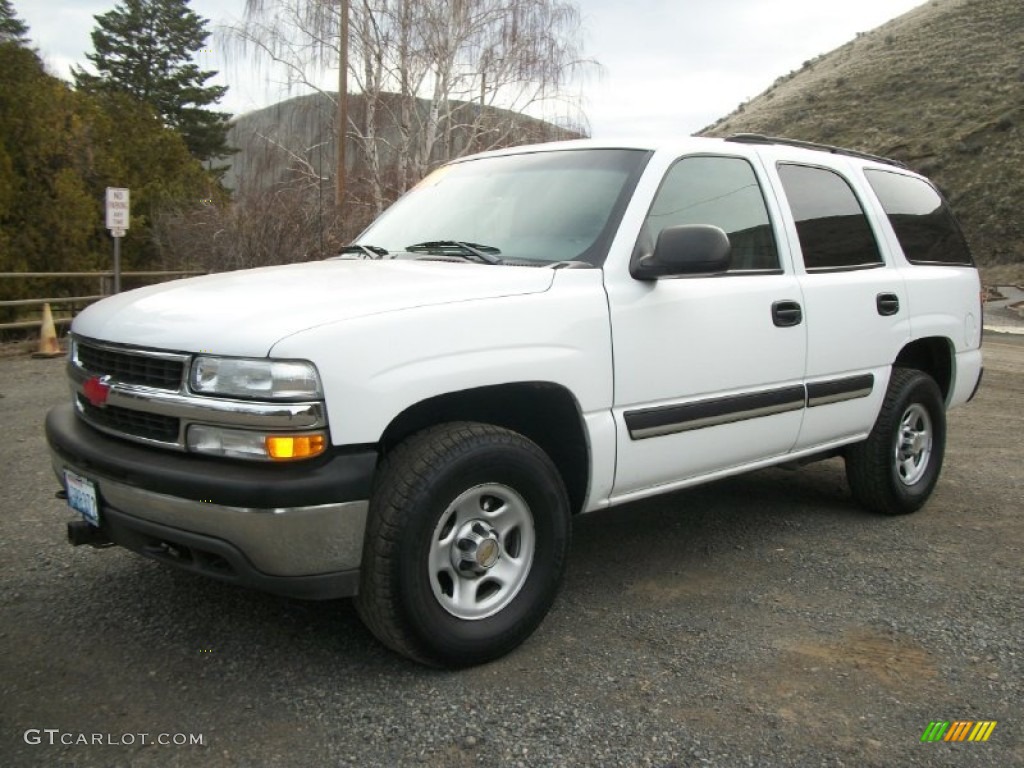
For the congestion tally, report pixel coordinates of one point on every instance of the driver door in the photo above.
(708, 369)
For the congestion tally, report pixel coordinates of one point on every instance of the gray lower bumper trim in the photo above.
(292, 541)
(216, 558)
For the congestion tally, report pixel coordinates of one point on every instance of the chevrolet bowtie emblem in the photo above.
(96, 390)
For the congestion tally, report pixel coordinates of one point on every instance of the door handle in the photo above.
(786, 314)
(887, 304)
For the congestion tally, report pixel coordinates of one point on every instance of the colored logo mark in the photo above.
(958, 730)
(96, 390)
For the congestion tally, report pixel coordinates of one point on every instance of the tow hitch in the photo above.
(80, 532)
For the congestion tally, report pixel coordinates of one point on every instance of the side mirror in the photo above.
(688, 249)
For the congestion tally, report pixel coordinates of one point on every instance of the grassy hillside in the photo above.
(940, 88)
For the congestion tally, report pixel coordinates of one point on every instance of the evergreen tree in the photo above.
(59, 150)
(145, 48)
(12, 29)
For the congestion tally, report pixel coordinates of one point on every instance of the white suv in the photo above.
(526, 335)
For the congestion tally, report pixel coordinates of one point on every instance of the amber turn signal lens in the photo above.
(295, 446)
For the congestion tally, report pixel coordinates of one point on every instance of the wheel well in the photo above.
(933, 356)
(545, 413)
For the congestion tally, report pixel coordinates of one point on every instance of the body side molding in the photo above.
(713, 412)
(669, 419)
(838, 390)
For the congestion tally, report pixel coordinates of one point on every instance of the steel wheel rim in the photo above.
(913, 444)
(481, 551)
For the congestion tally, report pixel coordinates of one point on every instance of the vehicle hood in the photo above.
(248, 311)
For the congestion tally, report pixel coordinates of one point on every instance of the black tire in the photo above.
(408, 595)
(896, 468)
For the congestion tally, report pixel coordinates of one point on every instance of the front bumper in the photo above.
(294, 529)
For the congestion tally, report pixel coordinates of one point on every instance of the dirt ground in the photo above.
(763, 620)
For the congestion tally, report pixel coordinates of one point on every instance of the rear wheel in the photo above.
(896, 468)
(465, 544)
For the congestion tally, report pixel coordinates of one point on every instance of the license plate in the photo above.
(82, 497)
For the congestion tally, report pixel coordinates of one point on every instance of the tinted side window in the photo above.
(834, 232)
(922, 220)
(722, 191)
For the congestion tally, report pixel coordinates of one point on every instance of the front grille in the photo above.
(149, 426)
(130, 368)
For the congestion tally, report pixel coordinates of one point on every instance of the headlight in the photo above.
(244, 444)
(254, 378)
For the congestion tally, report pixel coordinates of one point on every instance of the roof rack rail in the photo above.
(757, 138)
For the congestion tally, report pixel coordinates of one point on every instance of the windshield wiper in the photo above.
(363, 251)
(485, 254)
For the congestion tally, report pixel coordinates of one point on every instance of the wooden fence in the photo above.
(66, 307)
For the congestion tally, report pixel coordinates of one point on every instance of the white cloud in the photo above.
(678, 66)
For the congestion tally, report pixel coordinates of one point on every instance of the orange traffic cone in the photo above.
(48, 344)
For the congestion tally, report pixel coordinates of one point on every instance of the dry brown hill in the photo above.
(940, 88)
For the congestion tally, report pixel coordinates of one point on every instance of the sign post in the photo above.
(117, 223)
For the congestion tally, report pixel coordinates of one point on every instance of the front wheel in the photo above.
(465, 544)
(896, 468)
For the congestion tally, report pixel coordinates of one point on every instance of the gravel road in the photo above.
(758, 621)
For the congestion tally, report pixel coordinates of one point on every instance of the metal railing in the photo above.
(73, 304)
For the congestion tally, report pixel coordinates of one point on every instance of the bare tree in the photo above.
(261, 227)
(433, 79)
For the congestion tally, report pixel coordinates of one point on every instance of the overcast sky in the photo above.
(669, 66)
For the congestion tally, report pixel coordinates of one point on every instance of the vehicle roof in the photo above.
(737, 144)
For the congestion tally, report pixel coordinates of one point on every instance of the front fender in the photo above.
(375, 367)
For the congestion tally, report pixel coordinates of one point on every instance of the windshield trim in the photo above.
(597, 253)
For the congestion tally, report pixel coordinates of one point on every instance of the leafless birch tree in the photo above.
(432, 79)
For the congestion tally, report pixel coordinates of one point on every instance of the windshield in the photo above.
(540, 207)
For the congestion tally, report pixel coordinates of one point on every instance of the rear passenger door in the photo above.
(855, 303)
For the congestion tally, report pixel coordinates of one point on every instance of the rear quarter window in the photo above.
(921, 219)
